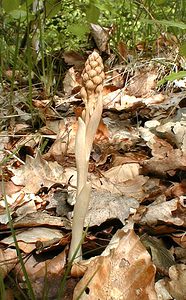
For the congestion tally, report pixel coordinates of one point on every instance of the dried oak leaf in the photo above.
(38, 218)
(180, 239)
(161, 290)
(130, 188)
(37, 173)
(100, 36)
(70, 81)
(165, 159)
(28, 238)
(124, 272)
(175, 132)
(9, 188)
(42, 272)
(176, 285)
(104, 206)
(165, 212)
(142, 84)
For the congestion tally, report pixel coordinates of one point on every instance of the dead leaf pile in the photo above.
(135, 247)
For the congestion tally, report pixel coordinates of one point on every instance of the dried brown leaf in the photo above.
(70, 82)
(143, 84)
(131, 188)
(101, 36)
(164, 212)
(180, 239)
(105, 205)
(176, 285)
(37, 173)
(38, 219)
(124, 272)
(9, 188)
(8, 260)
(74, 58)
(45, 272)
(28, 238)
(122, 173)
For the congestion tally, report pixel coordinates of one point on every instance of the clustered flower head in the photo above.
(93, 76)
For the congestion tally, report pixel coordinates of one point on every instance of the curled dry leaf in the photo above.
(161, 256)
(64, 143)
(180, 254)
(160, 148)
(125, 272)
(122, 173)
(74, 58)
(180, 239)
(176, 189)
(101, 36)
(161, 290)
(175, 161)
(37, 173)
(175, 132)
(8, 260)
(165, 158)
(70, 81)
(119, 100)
(105, 205)
(164, 212)
(176, 285)
(130, 188)
(28, 238)
(142, 84)
(49, 271)
(38, 218)
(9, 188)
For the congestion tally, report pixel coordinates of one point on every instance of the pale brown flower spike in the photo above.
(93, 76)
(91, 93)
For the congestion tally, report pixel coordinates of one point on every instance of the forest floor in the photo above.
(135, 246)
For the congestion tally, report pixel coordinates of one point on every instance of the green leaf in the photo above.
(182, 49)
(78, 29)
(180, 25)
(52, 7)
(160, 2)
(25, 4)
(18, 14)
(173, 76)
(92, 13)
(9, 5)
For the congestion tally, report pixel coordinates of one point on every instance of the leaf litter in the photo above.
(135, 244)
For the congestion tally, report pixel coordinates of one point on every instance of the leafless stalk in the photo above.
(91, 93)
